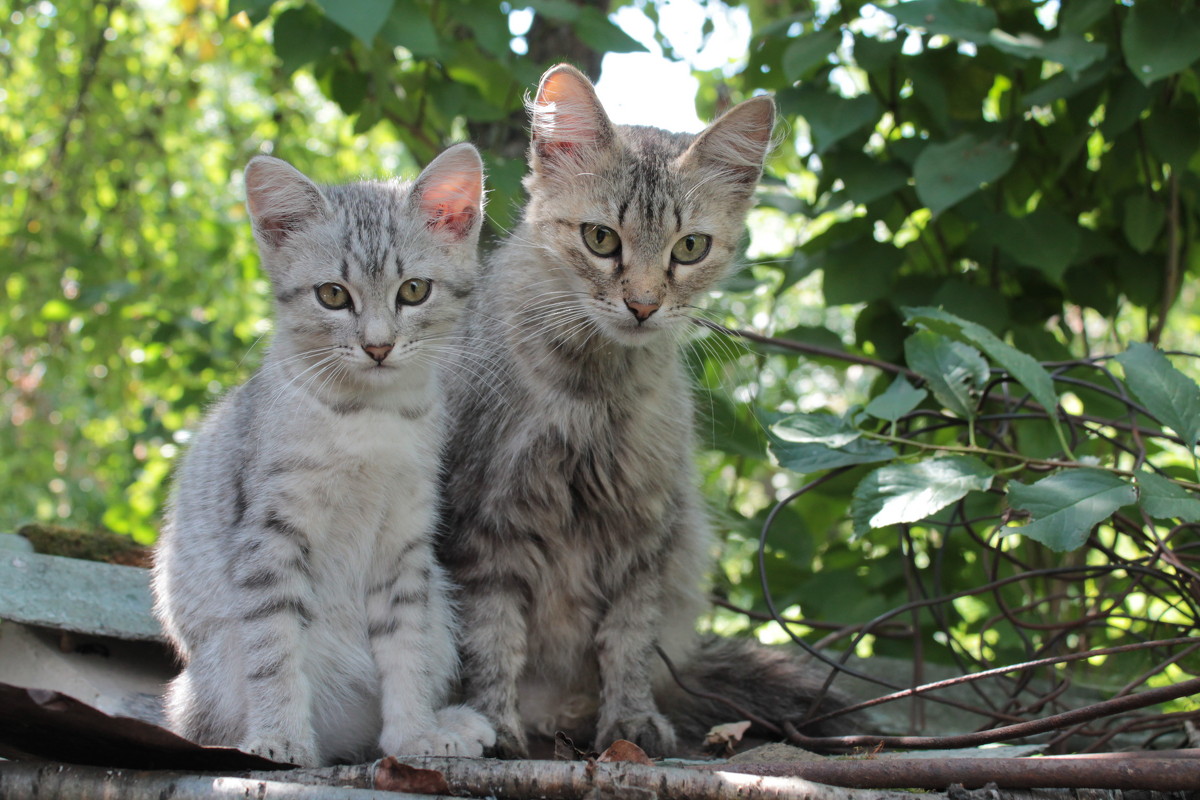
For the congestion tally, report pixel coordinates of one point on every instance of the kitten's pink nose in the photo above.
(641, 310)
(378, 351)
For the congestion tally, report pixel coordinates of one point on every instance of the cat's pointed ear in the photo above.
(567, 117)
(281, 200)
(449, 192)
(737, 143)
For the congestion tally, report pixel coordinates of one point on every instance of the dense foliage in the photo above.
(961, 190)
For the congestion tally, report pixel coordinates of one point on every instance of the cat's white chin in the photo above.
(635, 335)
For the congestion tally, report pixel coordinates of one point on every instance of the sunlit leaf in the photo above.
(901, 493)
(826, 429)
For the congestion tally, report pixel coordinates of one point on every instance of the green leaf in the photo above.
(813, 457)
(256, 10)
(1075, 53)
(363, 18)
(1020, 365)
(558, 10)
(303, 35)
(1159, 40)
(902, 493)
(1172, 397)
(946, 173)
(958, 20)
(1046, 240)
(897, 400)
(1066, 506)
(1144, 218)
(598, 32)
(830, 117)
(408, 26)
(826, 429)
(1079, 15)
(951, 369)
(859, 271)
(806, 52)
(866, 180)
(1162, 498)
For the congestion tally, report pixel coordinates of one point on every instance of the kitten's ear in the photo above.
(737, 143)
(449, 192)
(567, 117)
(281, 200)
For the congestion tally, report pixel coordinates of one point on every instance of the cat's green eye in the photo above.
(691, 248)
(333, 295)
(413, 292)
(600, 240)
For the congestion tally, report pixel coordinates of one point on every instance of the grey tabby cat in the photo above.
(574, 525)
(296, 573)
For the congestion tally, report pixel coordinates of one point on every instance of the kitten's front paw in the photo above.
(285, 751)
(510, 743)
(650, 731)
(460, 731)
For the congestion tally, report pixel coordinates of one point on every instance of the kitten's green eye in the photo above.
(600, 240)
(333, 295)
(413, 292)
(691, 248)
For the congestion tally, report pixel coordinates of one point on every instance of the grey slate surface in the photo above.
(79, 596)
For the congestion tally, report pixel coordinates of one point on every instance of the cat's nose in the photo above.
(641, 310)
(378, 351)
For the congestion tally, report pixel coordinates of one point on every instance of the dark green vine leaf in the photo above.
(951, 369)
(1162, 498)
(1144, 218)
(1159, 40)
(806, 52)
(1075, 53)
(830, 117)
(363, 18)
(897, 400)
(595, 29)
(901, 493)
(1020, 365)
(1172, 397)
(958, 20)
(806, 458)
(1066, 506)
(408, 26)
(946, 173)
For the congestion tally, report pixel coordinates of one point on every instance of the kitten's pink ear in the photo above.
(737, 143)
(449, 192)
(281, 200)
(567, 116)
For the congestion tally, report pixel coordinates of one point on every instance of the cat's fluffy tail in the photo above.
(771, 683)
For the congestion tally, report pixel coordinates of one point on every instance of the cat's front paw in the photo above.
(283, 750)
(510, 743)
(650, 731)
(458, 731)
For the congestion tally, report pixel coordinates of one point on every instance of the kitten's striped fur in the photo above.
(574, 524)
(296, 573)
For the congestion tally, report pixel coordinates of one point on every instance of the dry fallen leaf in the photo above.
(624, 750)
(723, 738)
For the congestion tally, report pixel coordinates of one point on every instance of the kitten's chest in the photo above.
(354, 474)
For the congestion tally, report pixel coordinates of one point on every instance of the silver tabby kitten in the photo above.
(296, 573)
(574, 525)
